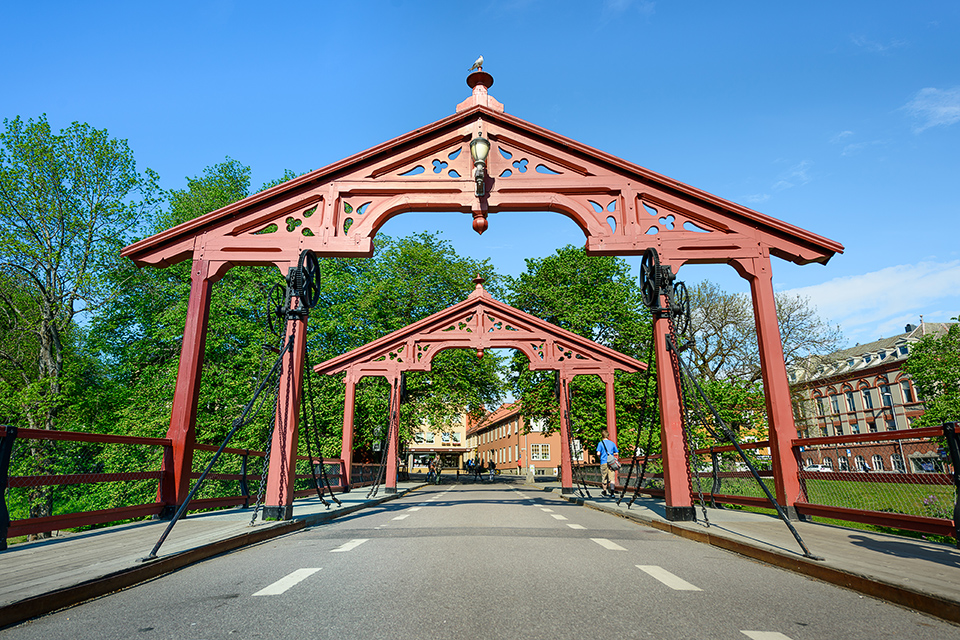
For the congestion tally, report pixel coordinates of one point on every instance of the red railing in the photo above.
(56, 522)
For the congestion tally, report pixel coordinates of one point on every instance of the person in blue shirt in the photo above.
(607, 450)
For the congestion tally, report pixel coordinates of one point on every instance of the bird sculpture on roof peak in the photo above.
(478, 64)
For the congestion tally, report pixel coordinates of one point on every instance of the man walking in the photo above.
(607, 450)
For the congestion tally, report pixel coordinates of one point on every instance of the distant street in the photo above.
(479, 562)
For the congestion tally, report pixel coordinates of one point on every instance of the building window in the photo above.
(907, 391)
(854, 428)
(809, 462)
(839, 429)
(860, 463)
(886, 395)
(867, 399)
(540, 452)
(843, 464)
(897, 461)
(851, 407)
(878, 463)
(891, 425)
(835, 403)
(828, 463)
(819, 406)
(872, 427)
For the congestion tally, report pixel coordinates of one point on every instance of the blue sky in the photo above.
(842, 118)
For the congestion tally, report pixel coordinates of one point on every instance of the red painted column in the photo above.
(566, 465)
(775, 383)
(183, 415)
(611, 406)
(349, 409)
(393, 437)
(677, 489)
(278, 504)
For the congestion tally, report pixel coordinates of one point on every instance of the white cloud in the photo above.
(873, 46)
(880, 303)
(794, 176)
(934, 107)
(757, 198)
(856, 147)
(840, 136)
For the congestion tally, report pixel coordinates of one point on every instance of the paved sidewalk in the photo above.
(911, 572)
(44, 576)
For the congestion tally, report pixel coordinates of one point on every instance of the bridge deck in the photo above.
(40, 577)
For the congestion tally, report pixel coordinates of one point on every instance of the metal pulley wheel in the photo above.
(277, 304)
(680, 309)
(307, 281)
(650, 278)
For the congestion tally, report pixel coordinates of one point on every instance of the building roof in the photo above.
(503, 411)
(862, 358)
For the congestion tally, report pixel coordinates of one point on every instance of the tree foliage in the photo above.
(934, 365)
(66, 209)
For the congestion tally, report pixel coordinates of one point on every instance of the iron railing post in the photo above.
(6, 449)
(950, 432)
(244, 487)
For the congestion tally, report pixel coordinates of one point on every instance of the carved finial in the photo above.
(479, 280)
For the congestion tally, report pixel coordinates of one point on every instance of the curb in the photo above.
(933, 605)
(23, 610)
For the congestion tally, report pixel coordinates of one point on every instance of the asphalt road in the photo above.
(480, 562)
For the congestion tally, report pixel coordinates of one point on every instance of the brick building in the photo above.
(499, 436)
(861, 390)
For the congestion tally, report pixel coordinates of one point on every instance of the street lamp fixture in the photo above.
(479, 150)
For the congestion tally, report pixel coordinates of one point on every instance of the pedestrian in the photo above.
(607, 450)
(431, 470)
(480, 469)
(493, 468)
(439, 467)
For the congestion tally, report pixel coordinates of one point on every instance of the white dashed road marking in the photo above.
(606, 544)
(285, 583)
(406, 515)
(545, 509)
(576, 526)
(415, 508)
(557, 516)
(347, 546)
(679, 584)
(765, 635)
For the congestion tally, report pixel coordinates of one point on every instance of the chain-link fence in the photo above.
(904, 475)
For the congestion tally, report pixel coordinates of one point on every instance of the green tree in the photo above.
(934, 365)
(65, 211)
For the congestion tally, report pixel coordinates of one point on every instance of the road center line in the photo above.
(406, 515)
(557, 516)
(415, 508)
(286, 582)
(678, 584)
(576, 526)
(765, 635)
(545, 509)
(347, 546)
(606, 544)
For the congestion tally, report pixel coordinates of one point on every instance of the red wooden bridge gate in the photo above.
(481, 160)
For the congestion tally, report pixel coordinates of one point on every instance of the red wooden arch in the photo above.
(480, 322)
(621, 208)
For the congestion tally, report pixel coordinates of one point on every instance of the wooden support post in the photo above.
(679, 503)
(566, 464)
(175, 483)
(781, 430)
(278, 504)
(349, 410)
(393, 436)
